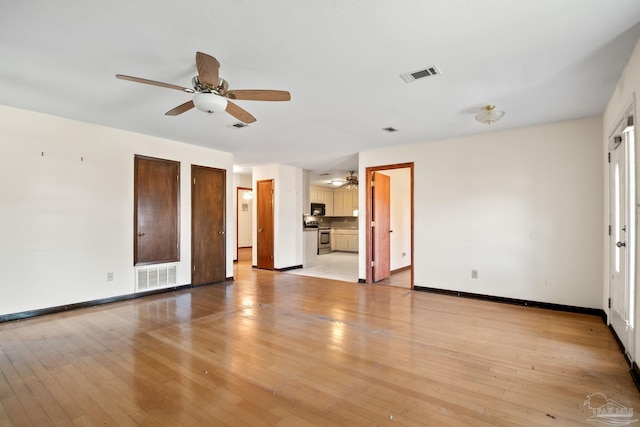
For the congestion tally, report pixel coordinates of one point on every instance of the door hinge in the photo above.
(373, 263)
(194, 181)
(373, 183)
(177, 178)
(609, 230)
(608, 157)
(373, 223)
(194, 268)
(609, 302)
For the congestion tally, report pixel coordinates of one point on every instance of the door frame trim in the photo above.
(178, 165)
(369, 197)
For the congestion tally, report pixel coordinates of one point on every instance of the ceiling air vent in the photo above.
(427, 72)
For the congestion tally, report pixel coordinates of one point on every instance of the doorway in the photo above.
(622, 233)
(208, 225)
(244, 219)
(389, 217)
(265, 228)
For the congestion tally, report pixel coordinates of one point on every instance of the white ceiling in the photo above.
(538, 60)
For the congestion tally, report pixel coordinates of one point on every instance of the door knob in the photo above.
(220, 232)
(140, 234)
(259, 230)
(621, 244)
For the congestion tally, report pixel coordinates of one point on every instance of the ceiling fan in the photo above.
(212, 94)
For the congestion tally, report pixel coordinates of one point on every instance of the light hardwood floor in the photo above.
(280, 349)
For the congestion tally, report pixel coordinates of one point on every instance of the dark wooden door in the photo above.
(208, 225)
(156, 211)
(265, 224)
(381, 231)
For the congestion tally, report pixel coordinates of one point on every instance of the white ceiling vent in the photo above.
(420, 74)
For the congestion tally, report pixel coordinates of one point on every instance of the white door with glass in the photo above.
(622, 213)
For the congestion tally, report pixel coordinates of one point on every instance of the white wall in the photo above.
(288, 194)
(66, 222)
(400, 217)
(523, 207)
(626, 91)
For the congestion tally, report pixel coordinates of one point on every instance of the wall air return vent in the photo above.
(156, 277)
(420, 74)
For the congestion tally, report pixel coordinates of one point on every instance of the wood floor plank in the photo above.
(281, 349)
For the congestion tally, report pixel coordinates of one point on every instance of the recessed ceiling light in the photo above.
(239, 125)
(390, 129)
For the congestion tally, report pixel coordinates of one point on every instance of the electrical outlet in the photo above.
(109, 277)
(474, 274)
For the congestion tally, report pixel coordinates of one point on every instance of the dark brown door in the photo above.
(208, 226)
(265, 224)
(381, 231)
(156, 225)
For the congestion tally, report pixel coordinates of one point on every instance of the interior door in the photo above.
(208, 225)
(381, 208)
(265, 229)
(156, 211)
(622, 236)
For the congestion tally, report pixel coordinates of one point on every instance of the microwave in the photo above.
(318, 208)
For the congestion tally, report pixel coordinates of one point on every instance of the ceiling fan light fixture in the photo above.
(489, 115)
(209, 102)
(337, 182)
(351, 182)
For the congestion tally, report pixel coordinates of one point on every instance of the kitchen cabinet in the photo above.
(322, 195)
(352, 242)
(345, 202)
(346, 240)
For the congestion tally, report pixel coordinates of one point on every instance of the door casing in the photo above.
(156, 223)
(369, 196)
(622, 236)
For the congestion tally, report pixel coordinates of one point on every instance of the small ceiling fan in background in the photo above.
(212, 93)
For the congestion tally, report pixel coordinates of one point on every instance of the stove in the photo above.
(324, 240)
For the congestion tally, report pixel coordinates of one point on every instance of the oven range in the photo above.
(324, 240)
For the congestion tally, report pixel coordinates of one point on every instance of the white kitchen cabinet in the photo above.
(333, 240)
(322, 195)
(341, 242)
(352, 243)
(313, 195)
(344, 202)
(346, 240)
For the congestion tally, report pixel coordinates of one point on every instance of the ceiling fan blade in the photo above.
(153, 83)
(180, 109)
(239, 113)
(259, 95)
(208, 67)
